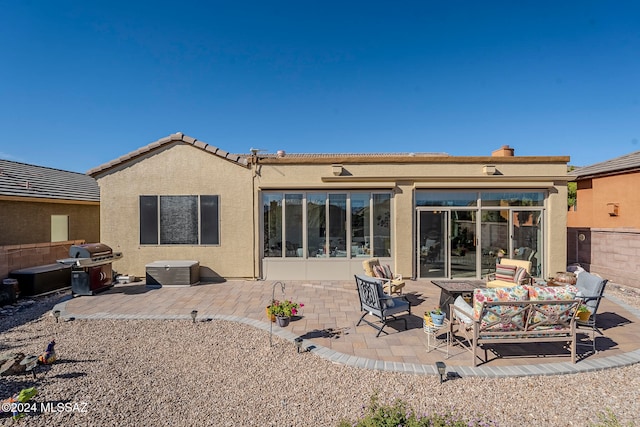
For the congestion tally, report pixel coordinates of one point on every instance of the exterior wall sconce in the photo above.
(612, 208)
(489, 170)
(336, 170)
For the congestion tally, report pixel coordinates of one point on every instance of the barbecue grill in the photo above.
(91, 270)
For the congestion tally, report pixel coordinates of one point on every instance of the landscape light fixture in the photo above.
(441, 368)
(194, 314)
(298, 342)
(56, 314)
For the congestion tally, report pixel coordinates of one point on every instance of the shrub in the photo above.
(399, 414)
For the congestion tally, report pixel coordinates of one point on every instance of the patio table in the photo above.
(451, 289)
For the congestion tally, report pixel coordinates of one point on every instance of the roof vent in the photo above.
(504, 151)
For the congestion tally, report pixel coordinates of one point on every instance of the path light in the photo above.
(194, 314)
(298, 342)
(441, 368)
(56, 314)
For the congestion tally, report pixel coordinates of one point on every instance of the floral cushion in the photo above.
(542, 293)
(491, 313)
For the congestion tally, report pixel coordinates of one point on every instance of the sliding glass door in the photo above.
(463, 234)
(432, 249)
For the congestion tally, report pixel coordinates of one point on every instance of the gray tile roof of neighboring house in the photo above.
(626, 163)
(23, 180)
(171, 139)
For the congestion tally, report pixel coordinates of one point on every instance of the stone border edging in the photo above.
(560, 368)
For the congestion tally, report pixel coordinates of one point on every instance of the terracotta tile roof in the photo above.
(171, 139)
(627, 163)
(24, 180)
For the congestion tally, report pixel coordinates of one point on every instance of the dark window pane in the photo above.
(316, 224)
(209, 231)
(148, 220)
(448, 198)
(272, 212)
(338, 225)
(490, 198)
(179, 220)
(293, 225)
(382, 225)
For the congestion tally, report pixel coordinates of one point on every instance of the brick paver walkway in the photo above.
(328, 326)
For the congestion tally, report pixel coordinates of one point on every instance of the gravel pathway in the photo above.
(176, 373)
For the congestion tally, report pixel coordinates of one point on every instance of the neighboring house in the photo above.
(604, 226)
(318, 216)
(39, 204)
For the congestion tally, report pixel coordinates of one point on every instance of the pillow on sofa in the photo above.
(505, 272)
(521, 274)
(465, 312)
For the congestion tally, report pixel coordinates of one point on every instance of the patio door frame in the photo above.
(446, 248)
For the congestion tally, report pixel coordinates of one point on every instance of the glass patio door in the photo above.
(527, 238)
(432, 239)
(463, 244)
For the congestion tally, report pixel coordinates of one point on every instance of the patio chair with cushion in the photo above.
(374, 302)
(591, 291)
(392, 283)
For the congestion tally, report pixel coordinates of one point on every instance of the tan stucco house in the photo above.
(40, 204)
(604, 225)
(42, 212)
(318, 216)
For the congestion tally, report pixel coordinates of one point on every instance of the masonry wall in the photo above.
(611, 253)
(30, 221)
(15, 257)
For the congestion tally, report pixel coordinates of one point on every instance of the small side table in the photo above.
(433, 334)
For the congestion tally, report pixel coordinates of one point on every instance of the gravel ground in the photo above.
(218, 373)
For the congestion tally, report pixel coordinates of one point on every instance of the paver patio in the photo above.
(331, 311)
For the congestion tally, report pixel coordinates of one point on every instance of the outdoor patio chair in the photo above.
(591, 291)
(374, 302)
(392, 283)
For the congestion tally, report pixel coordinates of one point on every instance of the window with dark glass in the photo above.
(179, 220)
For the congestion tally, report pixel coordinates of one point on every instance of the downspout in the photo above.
(254, 170)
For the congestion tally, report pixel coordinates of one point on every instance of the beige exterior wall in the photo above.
(179, 169)
(404, 179)
(25, 222)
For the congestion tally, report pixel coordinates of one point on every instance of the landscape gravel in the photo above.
(219, 373)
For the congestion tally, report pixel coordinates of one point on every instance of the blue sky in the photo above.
(84, 82)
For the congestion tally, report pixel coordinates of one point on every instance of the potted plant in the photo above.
(283, 310)
(437, 316)
(583, 313)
